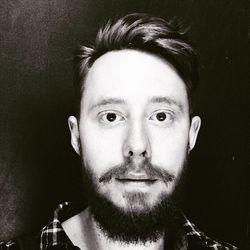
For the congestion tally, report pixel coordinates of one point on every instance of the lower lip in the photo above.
(136, 183)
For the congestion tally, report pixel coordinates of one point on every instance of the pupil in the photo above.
(161, 116)
(111, 117)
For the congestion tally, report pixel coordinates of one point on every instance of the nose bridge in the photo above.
(137, 141)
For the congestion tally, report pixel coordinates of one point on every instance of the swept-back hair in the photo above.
(166, 39)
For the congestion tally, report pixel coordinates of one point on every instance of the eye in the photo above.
(162, 117)
(111, 117)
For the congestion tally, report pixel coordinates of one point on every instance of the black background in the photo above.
(38, 168)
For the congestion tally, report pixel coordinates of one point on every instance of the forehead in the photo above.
(133, 76)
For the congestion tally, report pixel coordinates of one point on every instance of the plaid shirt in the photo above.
(53, 235)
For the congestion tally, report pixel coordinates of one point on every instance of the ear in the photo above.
(74, 131)
(193, 131)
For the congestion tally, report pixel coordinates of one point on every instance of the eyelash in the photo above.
(102, 114)
(169, 116)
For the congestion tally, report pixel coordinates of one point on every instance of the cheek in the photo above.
(101, 147)
(169, 148)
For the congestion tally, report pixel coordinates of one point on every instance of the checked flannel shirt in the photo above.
(53, 236)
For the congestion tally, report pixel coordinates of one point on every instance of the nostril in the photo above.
(144, 153)
(130, 153)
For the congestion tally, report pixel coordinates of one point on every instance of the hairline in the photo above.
(145, 33)
(83, 81)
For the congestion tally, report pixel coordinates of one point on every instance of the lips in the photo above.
(136, 177)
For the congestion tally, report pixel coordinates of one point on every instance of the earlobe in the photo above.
(74, 131)
(194, 130)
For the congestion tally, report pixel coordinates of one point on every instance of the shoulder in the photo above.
(198, 240)
(26, 242)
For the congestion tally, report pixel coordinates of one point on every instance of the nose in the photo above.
(136, 144)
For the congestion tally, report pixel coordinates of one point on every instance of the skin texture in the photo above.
(134, 107)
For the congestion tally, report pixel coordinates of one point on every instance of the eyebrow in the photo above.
(166, 100)
(108, 101)
(154, 99)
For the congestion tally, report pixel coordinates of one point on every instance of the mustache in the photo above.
(145, 167)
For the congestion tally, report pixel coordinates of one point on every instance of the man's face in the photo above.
(134, 129)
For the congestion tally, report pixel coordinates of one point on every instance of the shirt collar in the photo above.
(54, 235)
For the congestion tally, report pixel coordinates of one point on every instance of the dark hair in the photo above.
(145, 33)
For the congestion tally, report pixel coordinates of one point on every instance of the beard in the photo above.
(134, 225)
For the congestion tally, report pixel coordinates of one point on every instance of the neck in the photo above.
(92, 237)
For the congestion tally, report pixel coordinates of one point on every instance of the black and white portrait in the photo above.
(124, 125)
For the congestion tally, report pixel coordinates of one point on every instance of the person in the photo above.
(133, 130)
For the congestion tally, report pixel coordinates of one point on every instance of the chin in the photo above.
(138, 220)
(139, 201)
